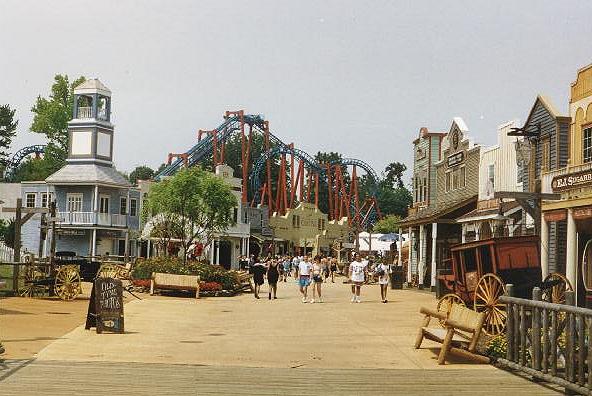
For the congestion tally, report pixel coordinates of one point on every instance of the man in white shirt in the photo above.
(357, 275)
(304, 269)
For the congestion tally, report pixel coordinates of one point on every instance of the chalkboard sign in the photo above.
(105, 308)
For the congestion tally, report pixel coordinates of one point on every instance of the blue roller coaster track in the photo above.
(17, 158)
(231, 125)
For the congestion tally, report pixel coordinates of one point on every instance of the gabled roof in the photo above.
(88, 174)
(547, 104)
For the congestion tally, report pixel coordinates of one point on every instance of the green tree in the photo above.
(393, 201)
(387, 224)
(34, 169)
(394, 174)
(141, 173)
(51, 116)
(7, 232)
(7, 132)
(197, 203)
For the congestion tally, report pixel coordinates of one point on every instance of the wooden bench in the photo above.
(245, 281)
(462, 328)
(174, 282)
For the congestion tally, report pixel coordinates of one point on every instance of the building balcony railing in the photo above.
(85, 113)
(547, 177)
(92, 218)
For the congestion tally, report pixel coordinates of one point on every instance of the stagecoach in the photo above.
(478, 271)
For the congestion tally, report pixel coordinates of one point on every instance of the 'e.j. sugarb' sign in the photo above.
(572, 180)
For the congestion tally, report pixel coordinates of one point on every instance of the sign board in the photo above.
(70, 232)
(348, 245)
(455, 159)
(105, 308)
(572, 180)
(555, 215)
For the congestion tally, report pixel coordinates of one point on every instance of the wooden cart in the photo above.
(478, 272)
(64, 276)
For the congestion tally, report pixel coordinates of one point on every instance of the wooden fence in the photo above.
(550, 342)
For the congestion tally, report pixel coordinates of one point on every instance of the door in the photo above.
(121, 247)
(586, 273)
(225, 251)
(104, 202)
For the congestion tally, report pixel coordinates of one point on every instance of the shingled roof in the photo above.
(88, 174)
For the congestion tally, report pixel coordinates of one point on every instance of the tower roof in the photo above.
(92, 86)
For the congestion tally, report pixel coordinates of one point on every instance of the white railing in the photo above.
(84, 112)
(92, 218)
(6, 253)
(547, 177)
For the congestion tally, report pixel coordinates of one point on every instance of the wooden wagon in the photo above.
(64, 275)
(478, 272)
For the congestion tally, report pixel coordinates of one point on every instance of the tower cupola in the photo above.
(91, 131)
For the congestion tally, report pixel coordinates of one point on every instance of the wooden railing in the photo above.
(550, 342)
(92, 218)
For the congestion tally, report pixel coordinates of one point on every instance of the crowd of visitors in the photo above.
(313, 272)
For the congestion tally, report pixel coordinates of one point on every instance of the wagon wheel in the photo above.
(556, 293)
(486, 299)
(67, 282)
(31, 287)
(445, 303)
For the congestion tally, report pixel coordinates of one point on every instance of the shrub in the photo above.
(144, 268)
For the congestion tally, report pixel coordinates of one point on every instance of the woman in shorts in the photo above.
(382, 272)
(304, 270)
(317, 278)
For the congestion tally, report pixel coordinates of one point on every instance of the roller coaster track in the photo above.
(17, 158)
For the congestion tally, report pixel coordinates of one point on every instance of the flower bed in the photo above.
(214, 277)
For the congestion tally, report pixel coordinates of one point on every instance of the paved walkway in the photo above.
(246, 346)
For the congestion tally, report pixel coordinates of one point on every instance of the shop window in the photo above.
(588, 144)
(491, 176)
(74, 202)
(448, 180)
(463, 177)
(546, 156)
(30, 200)
(234, 213)
(455, 180)
(104, 204)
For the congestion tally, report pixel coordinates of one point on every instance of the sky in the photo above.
(357, 77)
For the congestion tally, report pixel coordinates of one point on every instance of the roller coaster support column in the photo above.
(217, 152)
(183, 156)
(292, 174)
(354, 188)
(295, 182)
(268, 167)
(245, 149)
(317, 190)
(330, 188)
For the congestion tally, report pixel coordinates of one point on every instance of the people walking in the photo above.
(317, 278)
(382, 271)
(287, 264)
(273, 276)
(304, 270)
(357, 275)
(259, 270)
(333, 269)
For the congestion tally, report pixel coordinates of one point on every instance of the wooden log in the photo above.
(510, 332)
(510, 324)
(581, 349)
(522, 336)
(589, 356)
(516, 333)
(571, 339)
(545, 341)
(471, 356)
(553, 337)
(536, 331)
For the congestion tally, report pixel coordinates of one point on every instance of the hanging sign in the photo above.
(572, 180)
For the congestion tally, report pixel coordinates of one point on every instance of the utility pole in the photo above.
(17, 244)
(52, 215)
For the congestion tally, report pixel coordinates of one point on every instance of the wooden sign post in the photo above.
(105, 308)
